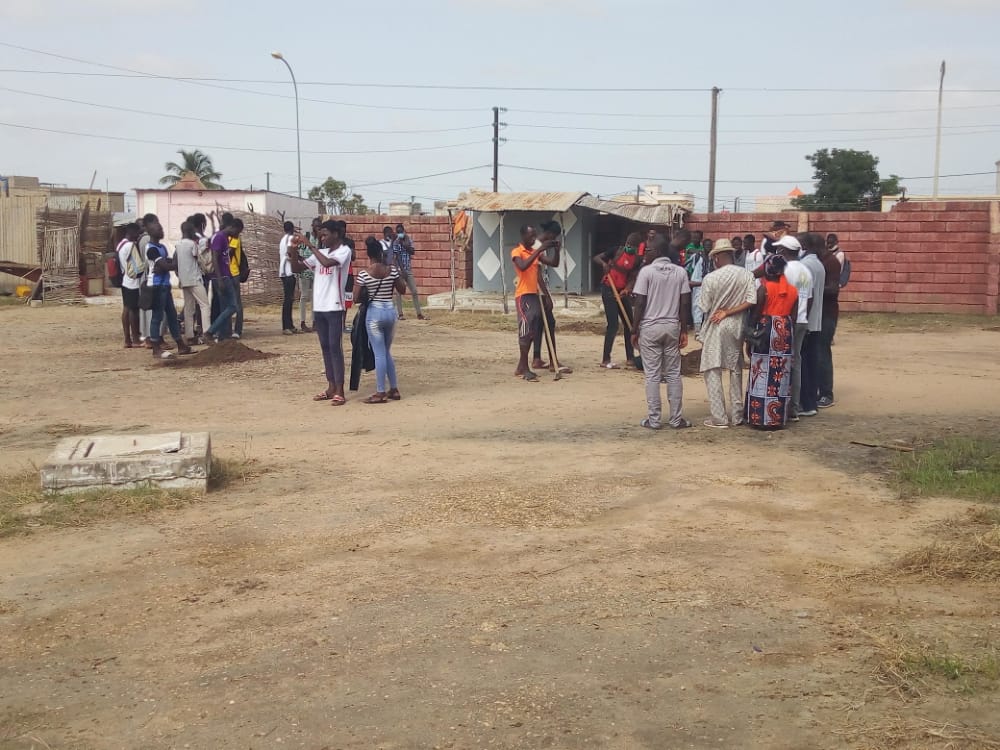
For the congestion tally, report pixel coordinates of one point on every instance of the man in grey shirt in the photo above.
(659, 302)
(812, 245)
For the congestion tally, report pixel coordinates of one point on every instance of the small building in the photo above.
(60, 197)
(189, 196)
(775, 204)
(590, 225)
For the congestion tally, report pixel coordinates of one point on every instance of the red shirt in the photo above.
(621, 269)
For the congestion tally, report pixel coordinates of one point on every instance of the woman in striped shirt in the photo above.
(381, 280)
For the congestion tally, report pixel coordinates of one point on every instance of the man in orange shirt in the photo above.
(526, 294)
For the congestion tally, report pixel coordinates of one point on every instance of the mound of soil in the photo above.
(691, 363)
(226, 352)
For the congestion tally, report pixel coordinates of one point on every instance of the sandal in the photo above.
(337, 401)
(324, 396)
(394, 394)
(376, 399)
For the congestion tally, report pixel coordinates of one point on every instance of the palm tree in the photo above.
(192, 161)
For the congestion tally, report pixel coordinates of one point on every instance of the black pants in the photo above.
(288, 287)
(551, 320)
(810, 371)
(824, 378)
(613, 315)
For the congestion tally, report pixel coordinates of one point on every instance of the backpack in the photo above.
(205, 260)
(136, 266)
(116, 274)
(845, 272)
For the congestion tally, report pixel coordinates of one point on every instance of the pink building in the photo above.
(174, 204)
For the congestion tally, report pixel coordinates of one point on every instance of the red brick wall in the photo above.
(431, 239)
(919, 257)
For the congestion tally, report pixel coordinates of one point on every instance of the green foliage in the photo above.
(337, 200)
(192, 161)
(846, 180)
(959, 467)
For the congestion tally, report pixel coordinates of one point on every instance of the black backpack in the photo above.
(845, 272)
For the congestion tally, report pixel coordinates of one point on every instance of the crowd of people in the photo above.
(775, 305)
(210, 269)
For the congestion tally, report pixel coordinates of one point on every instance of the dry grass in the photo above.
(25, 507)
(973, 557)
(909, 668)
(919, 734)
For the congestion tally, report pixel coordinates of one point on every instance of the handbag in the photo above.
(146, 294)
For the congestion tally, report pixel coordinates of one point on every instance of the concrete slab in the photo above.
(580, 306)
(169, 460)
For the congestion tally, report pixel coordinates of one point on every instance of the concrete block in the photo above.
(168, 460)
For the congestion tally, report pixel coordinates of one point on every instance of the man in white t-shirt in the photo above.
(800, 277)
(287, 276)
(131, 264)
(754, 257)
(330, 265)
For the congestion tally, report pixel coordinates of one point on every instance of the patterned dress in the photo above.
(770, 385)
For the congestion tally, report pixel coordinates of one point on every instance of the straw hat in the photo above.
(722, 246)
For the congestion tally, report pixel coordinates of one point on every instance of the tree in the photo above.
(846, 180)
(335, 197)
(192, 161)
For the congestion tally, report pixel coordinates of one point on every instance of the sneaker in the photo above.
(648, 425)
(793, 418)
(825, 402)
(712, 423)
(288, 332)
(808, 413)
(683, 424)
(236, 336)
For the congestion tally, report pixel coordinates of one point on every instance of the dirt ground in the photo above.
(486, 563)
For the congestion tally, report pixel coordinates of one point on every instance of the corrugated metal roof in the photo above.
(492, 202)
(662, 214)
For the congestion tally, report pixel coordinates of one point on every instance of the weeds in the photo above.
(909, 667)
(25, 507)
(959, 467)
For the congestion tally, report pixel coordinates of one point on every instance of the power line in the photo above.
(734, 182)
(242, 124)
(817, 139)
(239, 148)
(768, 131)
(424, 177)
(733, 115)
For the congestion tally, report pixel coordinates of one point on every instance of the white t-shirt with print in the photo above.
(284, 265)
(329, 284)
(124, 251)
(799, 277)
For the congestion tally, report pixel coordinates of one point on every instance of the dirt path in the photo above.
(486, 563)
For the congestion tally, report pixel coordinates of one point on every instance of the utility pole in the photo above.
(712, 149)
(268, 181)
(937, 148)
(496, 148)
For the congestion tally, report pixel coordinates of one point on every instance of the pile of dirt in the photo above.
(581, 326)
(691, 363)
(226, 352)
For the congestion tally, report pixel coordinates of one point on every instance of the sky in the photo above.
(396, 98)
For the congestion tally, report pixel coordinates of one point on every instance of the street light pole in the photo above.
(298, 141)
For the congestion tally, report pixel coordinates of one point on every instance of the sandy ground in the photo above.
(487, 563)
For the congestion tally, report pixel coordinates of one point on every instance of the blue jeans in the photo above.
(163, 306)
(381, 317)
(227, 305)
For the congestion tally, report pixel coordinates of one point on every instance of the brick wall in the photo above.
(431, 239)
(919, 257)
